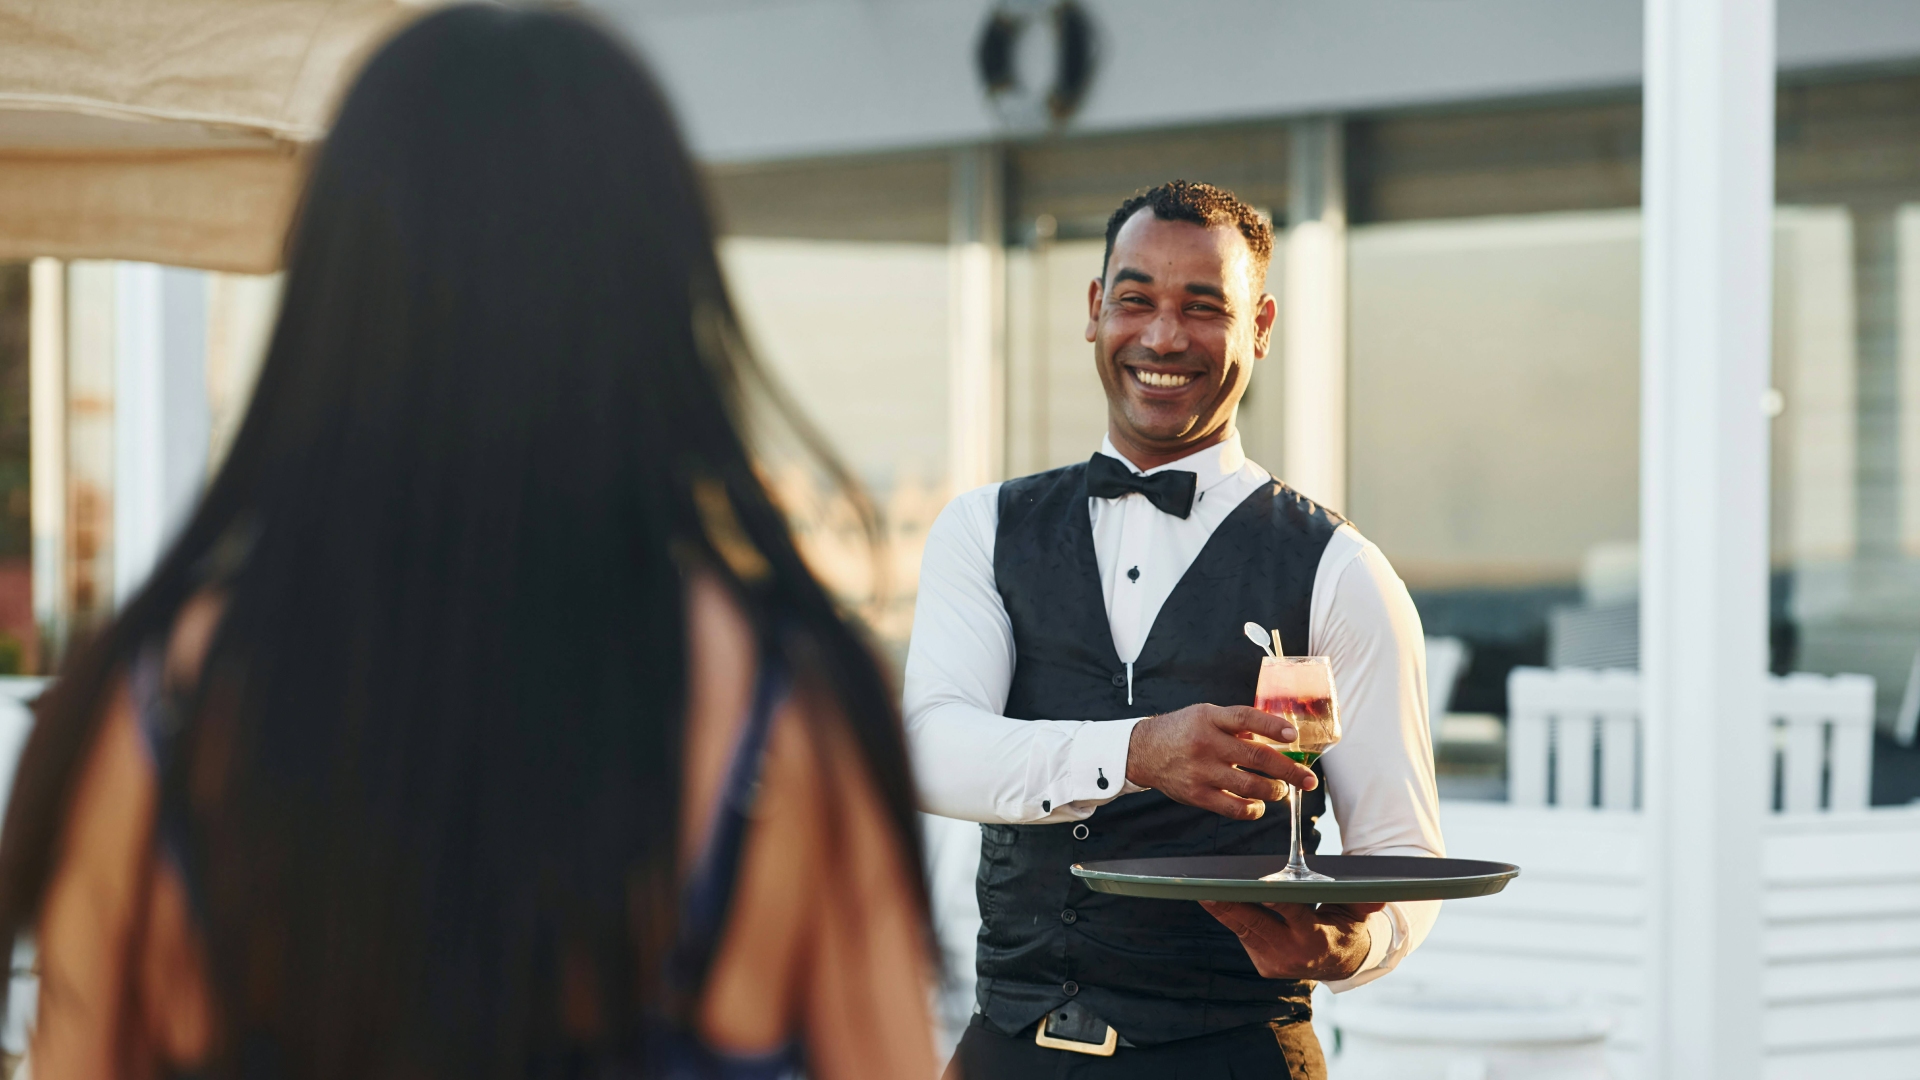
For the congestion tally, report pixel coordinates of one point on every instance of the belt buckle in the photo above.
(1100, 1049)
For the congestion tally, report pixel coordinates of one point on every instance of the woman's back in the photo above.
(465, 634)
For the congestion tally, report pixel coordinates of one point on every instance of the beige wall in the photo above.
(1494, 396)
(1495, 382)
(856, 333)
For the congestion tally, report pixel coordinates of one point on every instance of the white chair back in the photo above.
(1574, 739)
(16, 720)
(1447, 659)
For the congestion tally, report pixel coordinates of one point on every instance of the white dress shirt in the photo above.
(975, 763)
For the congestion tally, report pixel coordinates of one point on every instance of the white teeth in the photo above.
(1156, 378)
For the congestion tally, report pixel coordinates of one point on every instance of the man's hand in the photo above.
(1299, 941)
(1201, 755)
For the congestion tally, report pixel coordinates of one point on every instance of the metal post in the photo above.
(1314, 319)
(47, 453)
(976, 365)
(1705, 338)
(90, 335)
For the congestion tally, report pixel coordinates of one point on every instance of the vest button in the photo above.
(1119, 679)
(1070, 988)
(1080, 831)
(1069, 916)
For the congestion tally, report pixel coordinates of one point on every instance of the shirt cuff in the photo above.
(1093, 773)
(1384, 930)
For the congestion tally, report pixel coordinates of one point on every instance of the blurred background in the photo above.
(913, 193)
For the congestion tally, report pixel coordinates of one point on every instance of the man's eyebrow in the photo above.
(1199, 289)
(1132, 275)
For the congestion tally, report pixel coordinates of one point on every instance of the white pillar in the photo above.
(1314, 319)
(1705, 324)
(47, 449)
(160, 420)
(976, 368)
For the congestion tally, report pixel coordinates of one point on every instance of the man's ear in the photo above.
(1263, 319)
(1096, 293)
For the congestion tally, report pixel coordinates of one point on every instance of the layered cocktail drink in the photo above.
(1299, 689)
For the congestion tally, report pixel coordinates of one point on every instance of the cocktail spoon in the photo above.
(1258, 636)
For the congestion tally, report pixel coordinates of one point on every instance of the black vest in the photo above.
(1157, 970)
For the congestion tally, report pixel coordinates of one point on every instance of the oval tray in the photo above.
(1359, 879)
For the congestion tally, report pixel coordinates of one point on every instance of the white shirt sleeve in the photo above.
(1380, 775)
(970, 760)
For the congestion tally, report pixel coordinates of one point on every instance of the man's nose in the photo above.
(1165, 334)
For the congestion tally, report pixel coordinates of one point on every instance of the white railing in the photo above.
(1574, 738)
(1841, 879)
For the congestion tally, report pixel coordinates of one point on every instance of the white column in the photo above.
(1705, 325)
(47, 448)
(1314, 315)
(976, 367)
(160, 420)
(1907, 232)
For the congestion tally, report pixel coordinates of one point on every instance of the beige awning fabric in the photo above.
(170, 131)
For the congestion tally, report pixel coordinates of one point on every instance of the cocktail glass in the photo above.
(1299, 689)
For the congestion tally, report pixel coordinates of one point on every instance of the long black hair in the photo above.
(434, 762)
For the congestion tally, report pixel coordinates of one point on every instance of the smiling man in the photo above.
(1079, 683)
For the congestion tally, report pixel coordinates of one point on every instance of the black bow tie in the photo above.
(1171, 492)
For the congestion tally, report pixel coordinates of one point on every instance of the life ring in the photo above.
(1073, 54)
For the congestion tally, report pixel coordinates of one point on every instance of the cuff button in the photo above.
(1046, 806)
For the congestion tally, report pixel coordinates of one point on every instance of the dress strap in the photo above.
(161, 714)
(707, 897)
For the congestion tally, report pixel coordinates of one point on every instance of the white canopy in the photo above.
(169, 131)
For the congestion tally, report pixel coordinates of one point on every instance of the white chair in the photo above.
(953, 858)
(1906, 722)
(1573, 739)
(1447, 659)
(16, 720)
(1415, 1033)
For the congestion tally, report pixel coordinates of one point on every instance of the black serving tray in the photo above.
(1358, 879)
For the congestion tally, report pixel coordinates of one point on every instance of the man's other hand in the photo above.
(1299, 941)
(1204, 756)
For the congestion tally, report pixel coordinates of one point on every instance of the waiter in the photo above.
(1078, 681)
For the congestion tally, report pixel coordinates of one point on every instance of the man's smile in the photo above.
(1161, 380)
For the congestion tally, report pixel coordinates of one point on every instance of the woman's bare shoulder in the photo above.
(722, 657)
(108, 892)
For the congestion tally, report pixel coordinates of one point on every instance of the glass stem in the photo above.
(1296, 855)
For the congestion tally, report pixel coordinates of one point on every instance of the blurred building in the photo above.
(912, 195)
(1485, 165)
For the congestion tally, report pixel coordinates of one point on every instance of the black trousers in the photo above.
(1256, 1052)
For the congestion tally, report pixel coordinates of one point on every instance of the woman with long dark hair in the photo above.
(483, 721)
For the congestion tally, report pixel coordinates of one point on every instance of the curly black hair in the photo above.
(1201, 204)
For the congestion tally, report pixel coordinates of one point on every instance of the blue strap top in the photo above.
(707, 898)
(673, 1051)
